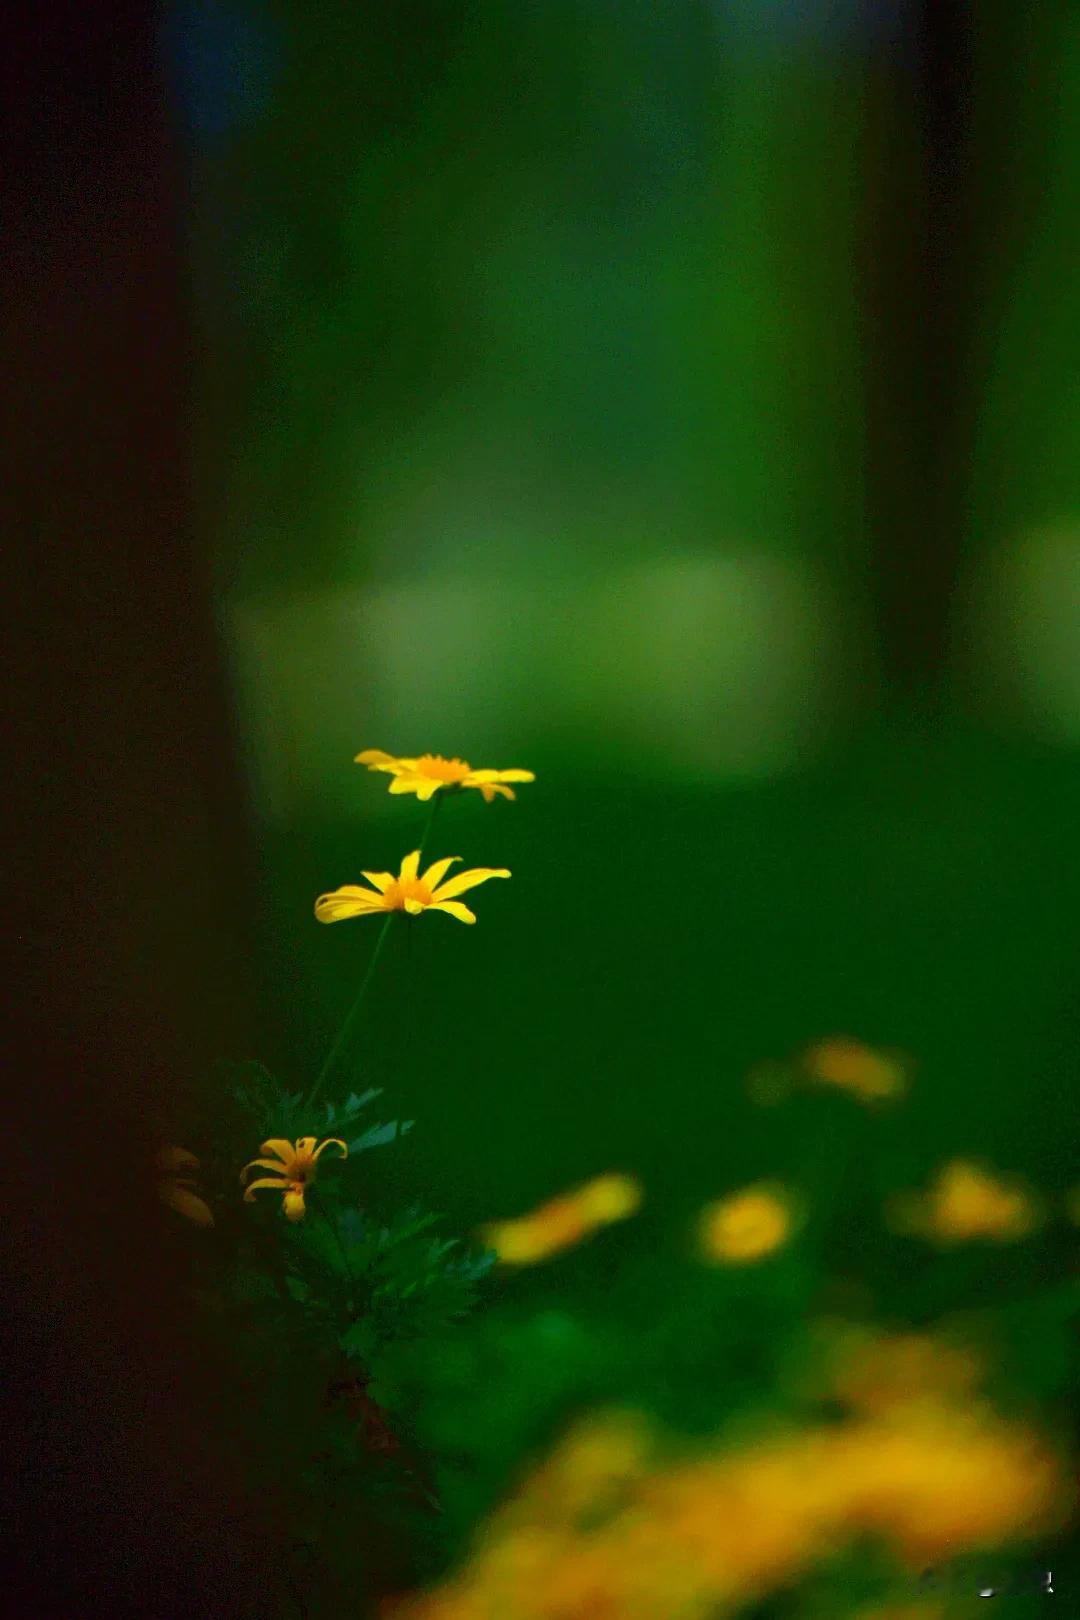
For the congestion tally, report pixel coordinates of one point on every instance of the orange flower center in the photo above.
(300, 1168)
(443, 770)
(408, 889)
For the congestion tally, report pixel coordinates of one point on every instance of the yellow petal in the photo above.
(294, 1205)
(435, 874)
(185, 1203)
(406, 782)
(475, 778)
(279, 1145)
(332, 1141)
(413, 907)
(425, 787)
(277, 1183)
(264, 1164)
(171, 1159)
(468, 880)
(409, 867)
(349, 901)
(374, 757)
(379, 880)
(455, 909)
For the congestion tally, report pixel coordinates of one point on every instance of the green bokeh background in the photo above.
(559, 409)
(534, 417)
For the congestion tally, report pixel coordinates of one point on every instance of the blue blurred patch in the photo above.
(850, 23)
(220, 63)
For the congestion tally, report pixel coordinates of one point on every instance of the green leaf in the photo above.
(379, 1135)
(359, 1339)
(353, 1103)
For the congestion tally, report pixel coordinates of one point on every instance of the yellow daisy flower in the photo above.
(175, 1189)
(850, 1065)
(563, 1221)
(427, 773)
(407, 892)
(747, 1226)
(966, 1202)
(294, 1170)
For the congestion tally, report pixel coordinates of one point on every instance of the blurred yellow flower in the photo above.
(966, 1202)
(936, 1478)
(610, 1198)
(562, 1222)
(874, 1374)
(294, 1170)
(407, 892)
(176, 1188)
(428, 773)
(611, 1527)
(869, 1075)
(747, 1225)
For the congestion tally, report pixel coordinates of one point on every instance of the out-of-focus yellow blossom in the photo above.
(407, 892)
(869, 1075)
(596, 1468)
(563, 1221)
(294, 1169)
(610, 1198)
(176, 1187)
(874, 1374)
(427, 774)
(966, 1202)
(934, 1478)
(746, 1226)
(609, 1528)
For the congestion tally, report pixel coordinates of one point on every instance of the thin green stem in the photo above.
(350, 1020)
(351, 1017)
(429, 825)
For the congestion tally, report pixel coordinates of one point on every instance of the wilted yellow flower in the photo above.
(869, 1075)
(562, 1221)
(966, 1202)
(294, 1170)
(746, 1226)
(407, 892)
(428, 773)
(176, 1189)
